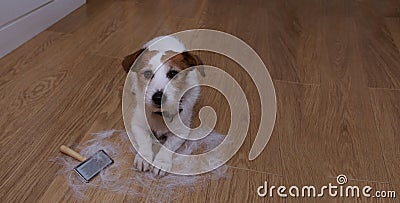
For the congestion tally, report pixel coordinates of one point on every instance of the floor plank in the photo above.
(393, 25)
(378, 50)
(385, 104)
(335, 66)
(346, 121)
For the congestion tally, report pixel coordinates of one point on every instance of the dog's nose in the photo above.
(158, 98)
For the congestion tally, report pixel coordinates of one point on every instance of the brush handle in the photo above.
(68, 151)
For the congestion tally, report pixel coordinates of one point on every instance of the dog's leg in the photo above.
(144, 148)
(163, 160)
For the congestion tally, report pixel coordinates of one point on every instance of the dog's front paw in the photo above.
(141, 164)
(161, 164)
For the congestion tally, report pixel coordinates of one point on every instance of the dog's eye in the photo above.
(171, 74)
(148, 74)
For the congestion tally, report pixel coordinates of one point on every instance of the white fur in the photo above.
(160, 79)
(155, 61)
(165, 43)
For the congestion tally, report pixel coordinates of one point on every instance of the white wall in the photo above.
(10, 10)
(20, 20)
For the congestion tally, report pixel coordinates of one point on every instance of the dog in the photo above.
(161, 61)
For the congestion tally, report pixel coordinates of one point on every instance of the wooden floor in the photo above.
(335, 66)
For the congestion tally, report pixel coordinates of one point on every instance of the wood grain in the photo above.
(385, 104)
(335, 67)
(346, 119)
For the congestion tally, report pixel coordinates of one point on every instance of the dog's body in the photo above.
(162, 61)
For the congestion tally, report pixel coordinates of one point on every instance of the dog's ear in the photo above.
(130, 59)
(194, 60)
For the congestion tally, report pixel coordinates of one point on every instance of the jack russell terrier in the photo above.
(161, 61)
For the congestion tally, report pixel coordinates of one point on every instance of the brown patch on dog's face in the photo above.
(144, 69)
(182, 61)
(174, 60)
(141, 56)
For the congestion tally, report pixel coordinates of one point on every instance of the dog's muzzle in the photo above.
(158, 98)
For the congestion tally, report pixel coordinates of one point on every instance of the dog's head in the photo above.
(162, 61)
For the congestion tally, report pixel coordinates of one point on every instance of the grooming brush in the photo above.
(89, 167)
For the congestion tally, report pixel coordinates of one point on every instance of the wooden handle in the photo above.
(68, 151)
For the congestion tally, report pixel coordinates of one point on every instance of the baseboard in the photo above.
(23, 29)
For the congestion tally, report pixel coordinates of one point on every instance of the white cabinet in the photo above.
(20, 20)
